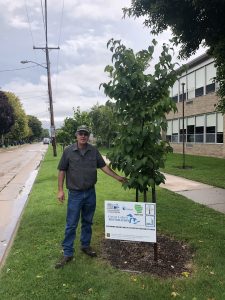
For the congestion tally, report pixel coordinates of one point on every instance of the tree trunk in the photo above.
(145, 195)
(136, 195)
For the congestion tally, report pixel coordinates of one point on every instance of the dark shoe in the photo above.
(63, 261)
(89, 251)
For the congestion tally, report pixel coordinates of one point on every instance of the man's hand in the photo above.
(61, 176)
(61, 196)
(122, 179)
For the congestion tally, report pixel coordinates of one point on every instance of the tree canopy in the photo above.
(192, 23)
(35, 126)
(20, 129)
(103, 124)
(7, 118)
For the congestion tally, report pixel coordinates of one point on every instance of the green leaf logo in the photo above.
(138, 208)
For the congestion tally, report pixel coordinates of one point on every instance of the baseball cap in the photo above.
(83, 128)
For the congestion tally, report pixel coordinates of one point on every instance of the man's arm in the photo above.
(107, 170)
(61, 177)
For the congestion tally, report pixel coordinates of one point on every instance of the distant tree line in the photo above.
(100, 119)
(15, 126)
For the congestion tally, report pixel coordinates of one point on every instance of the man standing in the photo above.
(79, 164)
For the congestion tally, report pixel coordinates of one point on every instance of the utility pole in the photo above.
(46, 49)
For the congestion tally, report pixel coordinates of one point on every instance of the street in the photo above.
(18, 168)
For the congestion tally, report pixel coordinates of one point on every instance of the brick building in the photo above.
(203, 127)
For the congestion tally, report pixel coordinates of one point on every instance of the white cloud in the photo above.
(18, 22)
(98, 10)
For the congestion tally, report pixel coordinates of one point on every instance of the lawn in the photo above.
(29, 270)
(209, 170)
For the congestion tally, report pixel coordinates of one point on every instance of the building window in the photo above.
(190, 130)
(169, 131)
(181, 97)
(219, 134)
(199, 129)
(174, 93)
(210, 128)
(175, 131)
(210, 88)
(182, 80)
(183, 131)
(199, 92)
(191, 85)
(200, 82)
(210, 75)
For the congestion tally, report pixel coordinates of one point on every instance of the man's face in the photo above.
(82, 137)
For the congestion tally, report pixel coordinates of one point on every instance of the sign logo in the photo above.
(132, 219)
(138, 208)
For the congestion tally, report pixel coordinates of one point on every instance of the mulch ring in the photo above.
(174, 257)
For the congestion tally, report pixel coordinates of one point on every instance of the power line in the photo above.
(59, 41)
(43, 17)
(31, 92)
(11, 70)
(30, 29)
(61, 22)
(28, 19)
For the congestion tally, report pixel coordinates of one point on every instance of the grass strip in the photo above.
(209, 170)
(29, 270)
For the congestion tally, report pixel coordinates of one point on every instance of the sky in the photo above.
(81, 28)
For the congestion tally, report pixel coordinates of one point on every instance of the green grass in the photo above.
(209, 170)
(29, 270)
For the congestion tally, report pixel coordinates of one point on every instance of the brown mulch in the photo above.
(174, 257)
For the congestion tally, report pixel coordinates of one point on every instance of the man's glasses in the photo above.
(81, 133)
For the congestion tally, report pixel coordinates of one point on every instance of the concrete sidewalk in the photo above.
(208, 195)
(199, 192)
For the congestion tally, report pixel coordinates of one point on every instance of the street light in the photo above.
(33, 62)
(50, 102)
(183, 136)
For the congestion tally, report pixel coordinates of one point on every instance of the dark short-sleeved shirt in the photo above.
(81, 167)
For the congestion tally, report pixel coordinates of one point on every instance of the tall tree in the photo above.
(20, 129)
(142, 101)
(7, 118)
(67, 131)
(81, 117)
(192, 23)
(36, 127)
(45, 133)
(63, 137)
(103, 124)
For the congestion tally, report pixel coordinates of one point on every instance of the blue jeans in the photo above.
(79, 203)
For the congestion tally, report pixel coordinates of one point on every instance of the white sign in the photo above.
(130, 221)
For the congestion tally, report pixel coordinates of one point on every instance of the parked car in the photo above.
(46, 141)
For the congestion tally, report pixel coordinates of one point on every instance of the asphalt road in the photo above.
(18, 169)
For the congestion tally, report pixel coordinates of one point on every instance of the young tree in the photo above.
(191, 22)
(142, 101)
(7, 118)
